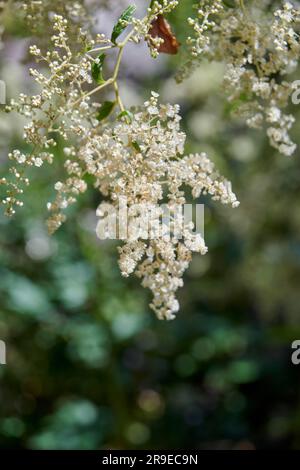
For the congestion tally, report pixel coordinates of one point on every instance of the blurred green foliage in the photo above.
(90, 367)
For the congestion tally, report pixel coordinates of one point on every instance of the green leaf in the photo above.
(154, 121)
(122, 23)
(97, 67)
(229, 3)
(127, 115)
(136, 146)
(105, 110)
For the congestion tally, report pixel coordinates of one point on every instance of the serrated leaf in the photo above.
(121, 25)
(105, 110)
(97, 67)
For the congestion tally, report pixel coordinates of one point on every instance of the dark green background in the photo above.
(90, 367)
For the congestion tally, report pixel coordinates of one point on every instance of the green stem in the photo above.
(102, 48)
(242, 5)
(118, 97)
(114, 78)
(98, 88)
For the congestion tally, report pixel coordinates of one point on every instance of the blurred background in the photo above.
(88, 364)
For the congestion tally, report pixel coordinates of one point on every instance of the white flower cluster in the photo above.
(202, 25)
(37, 13)
(142, 161)
(63, 107)
(60, 109)
(258, 51)
(137, 154)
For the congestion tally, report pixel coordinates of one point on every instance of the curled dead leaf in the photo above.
(160, 28)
